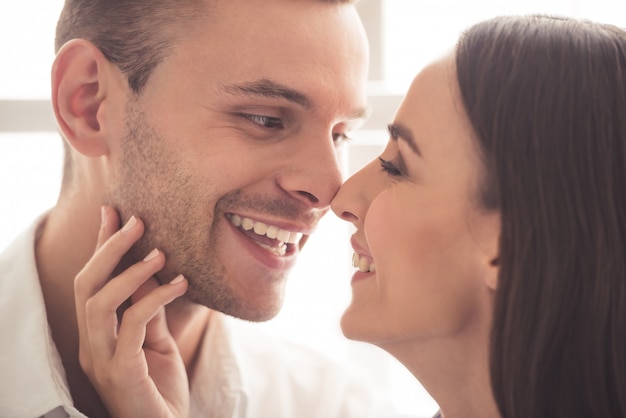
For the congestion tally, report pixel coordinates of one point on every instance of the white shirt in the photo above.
(241, 373)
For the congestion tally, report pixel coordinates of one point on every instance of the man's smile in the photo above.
(276, 240)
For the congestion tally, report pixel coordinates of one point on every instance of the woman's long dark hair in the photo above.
(547, 99)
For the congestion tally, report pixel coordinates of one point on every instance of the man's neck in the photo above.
(61, 249)
(188, 323)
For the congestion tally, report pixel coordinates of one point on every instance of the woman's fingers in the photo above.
(101, 308)
(144, 323)
(97, 297)
(108, 254)
(110, 223)
(110, 248)
(157, 329)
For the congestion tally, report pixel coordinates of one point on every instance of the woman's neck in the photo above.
(454, 371)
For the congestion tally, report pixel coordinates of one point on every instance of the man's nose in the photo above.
(314, 176)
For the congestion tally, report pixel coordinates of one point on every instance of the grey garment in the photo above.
(437, 415)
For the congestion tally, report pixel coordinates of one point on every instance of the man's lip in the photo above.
(304, 229)
(262, 255)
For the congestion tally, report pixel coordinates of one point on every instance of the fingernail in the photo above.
(152, 255)
(130, 224)
(103, 216)
(177, 279)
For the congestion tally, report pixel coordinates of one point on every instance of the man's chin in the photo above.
(247, 309)
(258, 312)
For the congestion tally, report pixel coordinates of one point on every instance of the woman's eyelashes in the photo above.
(389, 167)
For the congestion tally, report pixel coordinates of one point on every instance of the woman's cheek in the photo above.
(383, 225)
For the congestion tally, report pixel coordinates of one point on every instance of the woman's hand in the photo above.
(134, 364)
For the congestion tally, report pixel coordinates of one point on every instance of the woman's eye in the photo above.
(269, 122)
(389, 168)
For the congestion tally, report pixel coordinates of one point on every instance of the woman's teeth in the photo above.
(273, 232)
(363, 264)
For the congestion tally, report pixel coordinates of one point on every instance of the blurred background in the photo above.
(404, 36)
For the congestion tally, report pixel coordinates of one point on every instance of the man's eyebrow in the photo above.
(268, 89)
(361, 113)
(273, 90)
(397, 130)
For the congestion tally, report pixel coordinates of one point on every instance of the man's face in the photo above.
(230, 151)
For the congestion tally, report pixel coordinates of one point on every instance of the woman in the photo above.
(491, 232)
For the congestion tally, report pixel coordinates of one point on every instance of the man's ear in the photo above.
(83, 81)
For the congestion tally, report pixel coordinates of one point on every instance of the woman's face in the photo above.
(424, 248)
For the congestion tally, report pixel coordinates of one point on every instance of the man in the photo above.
(210, 127)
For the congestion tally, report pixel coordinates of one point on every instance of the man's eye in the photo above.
(269, 122)
(339, 138)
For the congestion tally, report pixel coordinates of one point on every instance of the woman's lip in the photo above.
(357, 247)
(359, 276)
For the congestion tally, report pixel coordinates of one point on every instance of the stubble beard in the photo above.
(152, 185)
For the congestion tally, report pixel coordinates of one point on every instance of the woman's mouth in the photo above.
(363, 263)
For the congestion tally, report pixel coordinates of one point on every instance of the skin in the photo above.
(430, 298)
(196, 147)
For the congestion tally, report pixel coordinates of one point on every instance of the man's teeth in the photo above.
(280, 251)
(270, 231)
(363, 264)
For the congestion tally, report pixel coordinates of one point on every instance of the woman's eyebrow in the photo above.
(399, 131)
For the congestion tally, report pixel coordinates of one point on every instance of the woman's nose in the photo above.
(357, 193)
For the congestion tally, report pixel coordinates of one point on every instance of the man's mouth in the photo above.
(278, 241)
